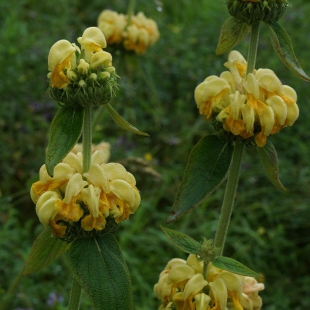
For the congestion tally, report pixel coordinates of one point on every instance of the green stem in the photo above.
(229, 197)
(253, 48)
(75, 296)
(130, 11)
(87, 139)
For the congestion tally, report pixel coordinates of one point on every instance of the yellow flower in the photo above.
(112, 25)
(61, 57)
(137, 36)
(92, 41)
(254, 105)
(181, 285)
(140, 34)
(106, 191)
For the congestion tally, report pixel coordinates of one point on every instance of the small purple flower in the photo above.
(53, 299)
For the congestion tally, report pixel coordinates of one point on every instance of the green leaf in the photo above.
(206, 169)
(269, 159)
(233, 266)
(183, 242)
(232, 33)
(99, 267)
(281, 43)
(45, 250)
(65, 131)
(123, 123)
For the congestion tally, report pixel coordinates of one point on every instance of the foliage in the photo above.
(270, 231)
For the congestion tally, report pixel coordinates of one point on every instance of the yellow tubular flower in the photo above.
(254, 105)
(92, 41)
(61, 57)
(105, 192)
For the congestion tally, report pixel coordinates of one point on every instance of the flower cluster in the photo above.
(182, 286)
(256, 105)
(136, 34)
(87, 200)
(82, 76)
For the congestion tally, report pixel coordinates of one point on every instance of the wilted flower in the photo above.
(137, 35)
(82, 77)
(254, 105)
(182, 286)
(71, 199)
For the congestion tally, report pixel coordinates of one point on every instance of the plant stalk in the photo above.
(130, 11)
(75, 296)
(253, 48)
(229, 197)
(87, 139)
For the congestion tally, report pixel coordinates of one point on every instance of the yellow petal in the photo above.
(202, 301)
(219, 291)
(232, 282)
(91, 196)
(279, 108)
(270, 82)
(292, 114)
(174, 262)
(92, 41)
(74, 162)
(98, 176)
(194, 263)
(179, 273)
(100, 59)
(123, 191)
(194, 285)
(74, 187)
(117, 171)
(45, 207)
(62, 171)
(59, 52)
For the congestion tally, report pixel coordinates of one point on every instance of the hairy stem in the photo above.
(229, 197)
(87, 139)
(253, 48)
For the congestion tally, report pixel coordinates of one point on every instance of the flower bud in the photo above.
(83, 67)
(251, 11)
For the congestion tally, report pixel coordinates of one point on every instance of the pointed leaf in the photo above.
(269, 159)
(233, 266)
(99, 267)
(183, 242)
(232, 33)
(281, 43)
(206, 169)
(123, 123)
(44, 251)
(65, 131)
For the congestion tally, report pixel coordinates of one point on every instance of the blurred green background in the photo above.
(270, 230)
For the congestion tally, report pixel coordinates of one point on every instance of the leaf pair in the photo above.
(233, 32)
(97, 264)
(191, 246)
(66, 129)
(207, 168)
